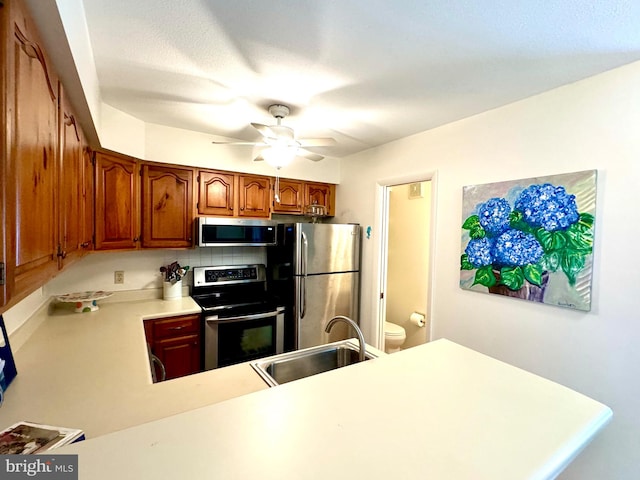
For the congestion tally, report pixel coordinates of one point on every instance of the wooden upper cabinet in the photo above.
(290, 193)
(215, 193)
(31, 163)
(254, 195)
(167, 206)
(117, 183)
(71, 218)
(88, 197)
(321, 194)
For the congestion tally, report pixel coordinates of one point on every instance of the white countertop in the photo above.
(91, 371)
(437, 411)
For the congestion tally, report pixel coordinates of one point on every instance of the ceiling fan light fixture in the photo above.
(279, 155)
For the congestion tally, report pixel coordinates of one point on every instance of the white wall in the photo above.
(126, 134)
(592, 124)
(121, 132)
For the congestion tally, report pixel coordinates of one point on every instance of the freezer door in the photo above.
(323, 248)
(322, 297)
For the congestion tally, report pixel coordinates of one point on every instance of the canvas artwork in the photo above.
(531, 238)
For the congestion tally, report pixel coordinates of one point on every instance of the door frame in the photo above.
(378, 300)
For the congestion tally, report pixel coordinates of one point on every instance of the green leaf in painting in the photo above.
(586, 220)
(477, 232)
(472, 222)
(485, 277)
(550, 240)
(512, 277)
(578, 238)
(572, 262)
(465, 264)
(533, 273)
(551, 261)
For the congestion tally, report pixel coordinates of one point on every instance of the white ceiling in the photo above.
(365, 72)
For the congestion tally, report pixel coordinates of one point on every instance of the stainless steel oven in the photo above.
(240, 320)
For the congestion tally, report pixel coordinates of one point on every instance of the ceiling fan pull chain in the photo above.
(277, 186)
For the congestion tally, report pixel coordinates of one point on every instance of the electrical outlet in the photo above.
(118, 276)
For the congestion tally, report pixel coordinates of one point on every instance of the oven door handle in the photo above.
(255, 316)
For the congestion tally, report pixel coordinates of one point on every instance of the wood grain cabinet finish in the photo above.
(167, 206)
(31, 107)
(75, 236)
(229, 194)
(321, 194)
(176, 341)
(117, 185)
(216, 193)
(291, 194)
(254, 196)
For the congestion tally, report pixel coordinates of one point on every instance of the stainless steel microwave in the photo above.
(235, 232)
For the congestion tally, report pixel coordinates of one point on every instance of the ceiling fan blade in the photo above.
(317, 142)
(259, 158)
(309, 155)
(264, 130)
(236, 143)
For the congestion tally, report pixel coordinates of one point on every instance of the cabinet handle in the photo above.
(136, 239)
(177, 328)
(84, 244)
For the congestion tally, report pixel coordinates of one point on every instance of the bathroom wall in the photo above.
(408, 259)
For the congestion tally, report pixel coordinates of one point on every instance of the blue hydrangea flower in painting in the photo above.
(515, 248)
(479, 252)
(494, 216)
(547, 206)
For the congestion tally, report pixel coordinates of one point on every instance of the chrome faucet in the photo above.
(348, 321)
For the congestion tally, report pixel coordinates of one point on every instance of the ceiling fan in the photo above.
(280, 143)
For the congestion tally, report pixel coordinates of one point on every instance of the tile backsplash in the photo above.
(142, 267)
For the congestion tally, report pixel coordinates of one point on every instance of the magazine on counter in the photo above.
(27, 437)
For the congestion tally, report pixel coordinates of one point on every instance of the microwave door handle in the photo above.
(254, 316)
(303, 279)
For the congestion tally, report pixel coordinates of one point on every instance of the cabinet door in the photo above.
(253, 196)
(167, 206)
(31, 175)
(179, 355)
(88, 215)
(321, 194)
(290, 193)
(215, 193)
(117, 181)
(71, 183)
(176, 342)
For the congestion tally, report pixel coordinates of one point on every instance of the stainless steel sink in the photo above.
(291, 366)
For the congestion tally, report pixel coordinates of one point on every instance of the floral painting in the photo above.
(531, 238)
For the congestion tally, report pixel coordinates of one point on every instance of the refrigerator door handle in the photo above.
(303, 279)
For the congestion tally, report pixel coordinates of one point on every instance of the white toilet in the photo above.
(394, 337)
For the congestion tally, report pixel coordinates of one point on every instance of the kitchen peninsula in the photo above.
(459, 414)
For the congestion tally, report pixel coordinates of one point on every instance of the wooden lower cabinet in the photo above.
(176, 341)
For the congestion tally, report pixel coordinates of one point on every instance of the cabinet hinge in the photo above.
(1, 263)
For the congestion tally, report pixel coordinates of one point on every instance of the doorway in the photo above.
(405, 263)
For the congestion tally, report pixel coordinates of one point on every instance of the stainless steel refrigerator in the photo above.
(315, 272)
